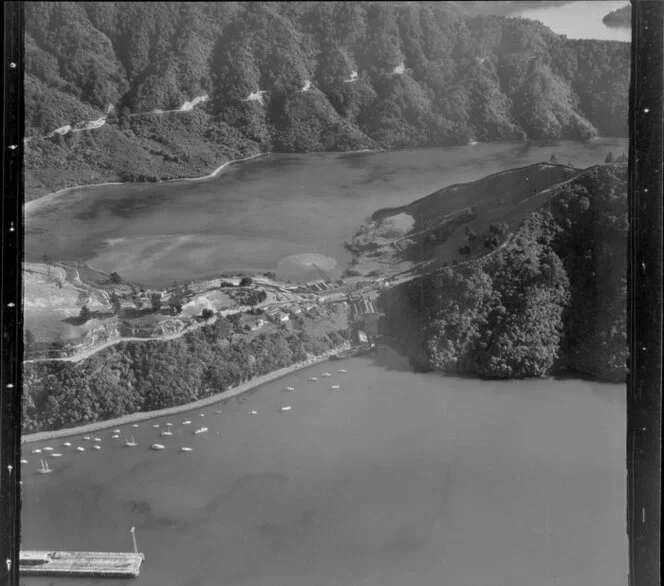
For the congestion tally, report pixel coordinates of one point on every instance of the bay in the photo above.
(394, 478)
(284, 213)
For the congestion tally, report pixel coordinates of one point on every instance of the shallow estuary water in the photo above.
(267, 214)
(394, 478)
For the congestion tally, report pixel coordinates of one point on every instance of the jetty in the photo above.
(80, 563)
(95, 564)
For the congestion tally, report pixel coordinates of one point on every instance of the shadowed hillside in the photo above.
(551, 296)
(148, 91)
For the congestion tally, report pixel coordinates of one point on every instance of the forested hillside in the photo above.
(336, 76)
(133, 377)
(553, 297)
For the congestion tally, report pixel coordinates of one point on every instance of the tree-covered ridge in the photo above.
(135, 377)
(553, 297)
(481, 78)
(620, 17)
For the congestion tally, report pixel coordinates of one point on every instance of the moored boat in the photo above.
(44, 468)
(166, 433)
(67, 444)
(80, 449)
(36, 451)
(186, 449)
(157, 447)
(130, 443)
(201, 430)
(286, 408)
(187, 422)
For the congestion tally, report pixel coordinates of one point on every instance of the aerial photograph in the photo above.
(325, 293)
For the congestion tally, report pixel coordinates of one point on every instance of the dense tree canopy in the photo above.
(553, 297)
(142, 377)
(482, 78)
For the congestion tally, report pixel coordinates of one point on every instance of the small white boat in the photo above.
(36, 451)
(290, 389)
(185, 449)
(335, 387)
(80, 449)
(134, 424)
(115, 436)
(201, 430)
(130, 443)
(96, 447)
(44, 468)
(48, 449)
(86, 437)
(342, 371)
(186, 422)
(157, 447)
(202, 415)
(67, 444)
(116, 431)
(326, 374)
(286, 408)
(313, 378)
(97, 439)
(253, 412)
(58, 455)
(166, 433)
(155, 426)
(217, 411)
(24, 461)
(169, 425)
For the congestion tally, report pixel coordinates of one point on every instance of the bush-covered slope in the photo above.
(133, 377)
(457, 78)
(553, 297)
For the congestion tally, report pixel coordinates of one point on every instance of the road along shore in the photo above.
(146, 415)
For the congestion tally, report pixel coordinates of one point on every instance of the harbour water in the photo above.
(265, 214)
(393, 478)
(579, 20)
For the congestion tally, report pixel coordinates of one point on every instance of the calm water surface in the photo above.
(580, 20)
(258, 214)
(394, 479)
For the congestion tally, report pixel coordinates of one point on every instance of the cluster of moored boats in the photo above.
(130, 442)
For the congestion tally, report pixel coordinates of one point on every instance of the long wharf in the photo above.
(80, 563)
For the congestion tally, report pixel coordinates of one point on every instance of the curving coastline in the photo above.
(147, 415)
(31, 204)
(28, 206)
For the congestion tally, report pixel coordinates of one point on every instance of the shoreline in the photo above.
(29, 204)
(147, 415)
